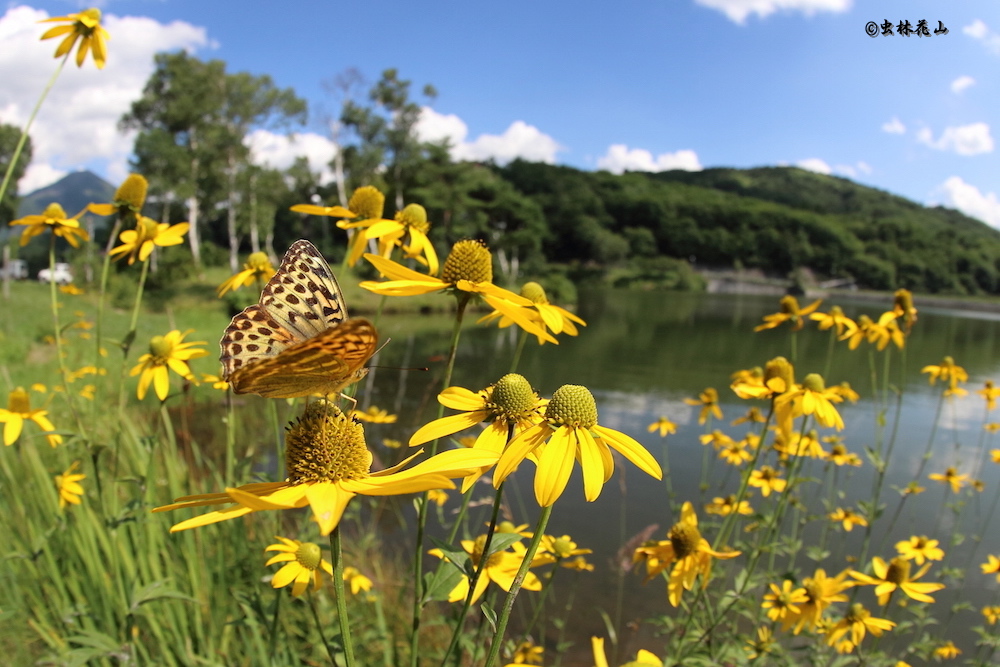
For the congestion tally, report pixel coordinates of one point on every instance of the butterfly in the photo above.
(297, 340)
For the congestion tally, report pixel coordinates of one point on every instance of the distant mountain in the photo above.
(73, 192)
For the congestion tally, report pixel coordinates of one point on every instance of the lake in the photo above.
(642, 354)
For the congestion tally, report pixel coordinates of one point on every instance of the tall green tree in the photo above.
(9, 136)
(179, 107)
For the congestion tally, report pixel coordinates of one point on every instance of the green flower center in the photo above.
(131, 194)
(948, 361)
(468, 260)
(309, 555)
(414, 215)
(534, 293)
(779, 367)
(814, 592)
(160, 347)
(562, 547)
(367, 202)
(324, 445)
(90, 17)
(511, 398)
(684, 538)
(572, 405)
(258, 261)
(147, 229)
(856, 613)
(54, 212)
(814, 382)
(899, 571)
(506, 527)
(18, 402)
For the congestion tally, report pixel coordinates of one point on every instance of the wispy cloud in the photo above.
(972, 139)
(519, 140)
(620, 158)
(738, 10)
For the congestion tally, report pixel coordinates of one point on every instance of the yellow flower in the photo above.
(709, 402)
(784, 601)
(303, 565)
(411, 220)
(468, 270)
(357, 581)
(526, 653)
(947, 651)
(562, 547)
(854, 338)
(992, 427)
(148, 233)
(256, 271)
(642, 659)
(919, 548)
(912, 489)
(735, 453)
(664, 426)
(510, 406)
(717, 438)
(896, 574)
(128, 199)
(789, 312)
(18, 410)
(328, 463)
(811, 398)
(578, 563)
(68, 486)
(438, 497)
(835, 319)
(763, 645)
(71, 289)
(990, 393)
(991, 566)
(838, 455)
(501, 567)
(544, 314)
(85, 26)
(53, 218)
(858, 621)
(903, 308)
(950, 371)
(992, 614)
(950, 476)
(168, 351)
(799, 444)
(821, 591)
(767, 479)
(215, 381)
(848, 517)
(885, 330)
(726, 506)
(373, 415)
(570, 432)
(753, 416)
(687, 550)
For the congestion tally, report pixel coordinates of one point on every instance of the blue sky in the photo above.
(646, 85)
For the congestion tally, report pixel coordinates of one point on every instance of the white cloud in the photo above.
(961, 83)
(864, 167)
(621, 158)
(520, 140)
(814, 164)
(739, 10)
(967, 198)
(38, 175)
(894, 126)
(280, 151)
(77, 124)
(979, 31)
(972, 139)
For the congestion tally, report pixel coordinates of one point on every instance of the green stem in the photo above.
(522, 339)
(54, 299)
(27, 126)
(340, 594)
(319, 628)
(273, 639)
(99, 326)
(477, 575)
(418, 552)
(522, 572)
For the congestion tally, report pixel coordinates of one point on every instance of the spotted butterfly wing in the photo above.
(297, 340)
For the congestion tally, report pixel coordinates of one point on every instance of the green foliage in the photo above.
(9, 136)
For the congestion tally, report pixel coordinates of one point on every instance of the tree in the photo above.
(9, 136)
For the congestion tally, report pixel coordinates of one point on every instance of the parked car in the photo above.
(63, 275)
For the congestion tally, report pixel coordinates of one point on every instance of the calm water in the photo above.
(642, 355)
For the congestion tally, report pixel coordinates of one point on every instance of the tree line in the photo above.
(193, 120)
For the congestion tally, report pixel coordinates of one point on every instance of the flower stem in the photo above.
(63, 371)
(340, 594)
(27, 126)
(508, 605)
(418, 552)
(522, 339)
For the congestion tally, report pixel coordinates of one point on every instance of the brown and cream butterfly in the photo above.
(297, 340)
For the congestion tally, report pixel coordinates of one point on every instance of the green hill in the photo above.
(73, 192)
(776, 219)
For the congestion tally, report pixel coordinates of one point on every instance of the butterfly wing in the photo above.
(303, 295)
(323, 364)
